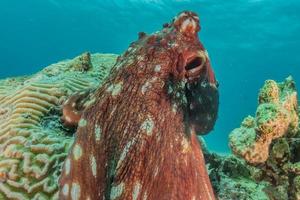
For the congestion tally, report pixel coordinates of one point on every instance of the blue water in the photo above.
(249, 41)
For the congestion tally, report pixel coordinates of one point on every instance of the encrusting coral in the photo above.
(33, 143)
(276, 116)
(82, 62)
(136, 139)
(270, 141)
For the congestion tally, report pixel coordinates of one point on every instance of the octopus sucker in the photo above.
(138, 137)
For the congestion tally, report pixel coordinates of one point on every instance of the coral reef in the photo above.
(82, 62)
(276, 116)
(33, 143)
(232, 178)
(136, 138)
(270, 140)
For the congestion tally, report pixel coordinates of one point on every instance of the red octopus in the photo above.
(74, 106)
(137, 139)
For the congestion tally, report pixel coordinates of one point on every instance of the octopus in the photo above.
(74, 106)
(137, 135)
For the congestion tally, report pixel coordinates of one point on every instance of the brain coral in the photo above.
(33, 144)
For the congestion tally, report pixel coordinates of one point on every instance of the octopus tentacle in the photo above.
(73, 107)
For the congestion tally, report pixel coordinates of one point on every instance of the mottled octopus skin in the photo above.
(138, 140)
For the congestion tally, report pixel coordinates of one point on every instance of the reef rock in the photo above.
(276, 116)
(270, 140)
(136, 138)
(232, 178)
(33, 142)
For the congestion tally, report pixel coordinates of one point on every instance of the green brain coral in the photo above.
(33, 142)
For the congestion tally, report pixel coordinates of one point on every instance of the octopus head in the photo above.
(193, 72)
(176, 56)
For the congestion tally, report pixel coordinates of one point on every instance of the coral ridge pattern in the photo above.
(33, 143)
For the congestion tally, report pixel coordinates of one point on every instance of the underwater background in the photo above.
(249, 41)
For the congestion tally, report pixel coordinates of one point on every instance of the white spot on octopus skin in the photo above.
(185, 145)
(125, 151)
(145, 197)
(75, 191)
(97, 132)
(136, 190)
(140, 58)
(77, 151)
(93, 164)
(145, 87)
(67, 166)
(147, 84)
(116, 191)
(65, 189)
(115, 89)
(156, 171)
(174, 108)
(157, 68)
(148, 126)
(82, 123)
(68, 119)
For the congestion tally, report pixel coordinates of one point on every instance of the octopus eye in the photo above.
(194, 63)
(195, 67)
